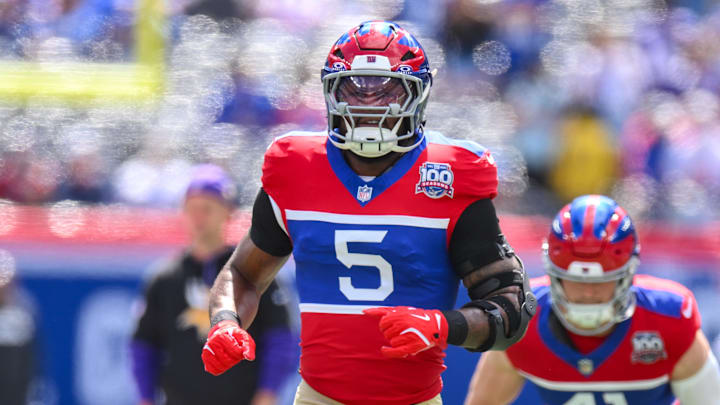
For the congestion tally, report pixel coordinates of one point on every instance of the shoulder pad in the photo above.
(290, 153)
(474, 169)
(663, 296)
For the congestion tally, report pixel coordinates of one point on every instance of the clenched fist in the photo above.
(227, 344)
(410, 330)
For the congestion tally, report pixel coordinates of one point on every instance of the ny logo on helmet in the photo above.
(407, 69)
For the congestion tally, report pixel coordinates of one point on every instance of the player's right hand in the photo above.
(227, 344)
(410, 330)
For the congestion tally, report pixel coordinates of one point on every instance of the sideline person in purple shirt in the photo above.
(171, 331)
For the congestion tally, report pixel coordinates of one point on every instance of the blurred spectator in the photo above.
(85, 180)
(586, 160)
(217, 9)
(11, 16)
(467, 24)
(78, 20)
(154, 177)
(171, 331)
(17, 338)
(246, 106)
(28, 178)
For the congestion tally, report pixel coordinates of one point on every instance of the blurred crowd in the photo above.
(572, 96)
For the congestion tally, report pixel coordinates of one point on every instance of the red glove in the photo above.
(227, 344)
(410, 330)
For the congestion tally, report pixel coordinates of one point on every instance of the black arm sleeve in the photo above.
(475, 239)
(477, 242)
(265, 231)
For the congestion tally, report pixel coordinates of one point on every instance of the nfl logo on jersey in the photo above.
(364, 193)
(585, 366)
(435, 180)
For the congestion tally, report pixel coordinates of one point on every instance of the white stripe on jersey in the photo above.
(278, 216)
(402, 220)
(335, 309)
(598, 385)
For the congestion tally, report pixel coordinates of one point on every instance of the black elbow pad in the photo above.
(518, 320)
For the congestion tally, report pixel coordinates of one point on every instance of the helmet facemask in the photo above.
(374, 112)
(376, 82)
(596, 318)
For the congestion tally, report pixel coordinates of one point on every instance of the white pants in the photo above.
(306, 395)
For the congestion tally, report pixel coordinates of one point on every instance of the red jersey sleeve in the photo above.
(684, 320)
(688, 325)
(481, 180)
(475, 175)
(272, 169)
(287, 157)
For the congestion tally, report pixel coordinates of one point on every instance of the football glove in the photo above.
(410, 330)
(227, 344)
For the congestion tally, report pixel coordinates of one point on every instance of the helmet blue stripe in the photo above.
(408, 41)
(604, 210)
(364, 29)
(557, 226)
(577, 214)
(343, 39)
(626, 228)
(384, 29)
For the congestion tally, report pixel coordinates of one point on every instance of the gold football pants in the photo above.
(306, 395)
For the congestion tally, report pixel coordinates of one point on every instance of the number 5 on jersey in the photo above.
(348, 259)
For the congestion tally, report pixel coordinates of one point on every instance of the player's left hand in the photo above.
(410, 330)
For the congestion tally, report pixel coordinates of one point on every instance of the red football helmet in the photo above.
(376, 82)
(592, 240)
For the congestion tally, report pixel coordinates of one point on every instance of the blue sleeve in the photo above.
(145, 364)
(279, 358)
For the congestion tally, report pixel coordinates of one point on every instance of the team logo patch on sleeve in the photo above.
(648, 348)
(436, 180)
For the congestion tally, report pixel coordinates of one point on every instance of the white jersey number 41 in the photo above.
(587, 398)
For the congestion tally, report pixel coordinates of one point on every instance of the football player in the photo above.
(384, 219)
(602, 335)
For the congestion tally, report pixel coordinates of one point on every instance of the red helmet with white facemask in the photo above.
(592, 240)
(376, 82)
